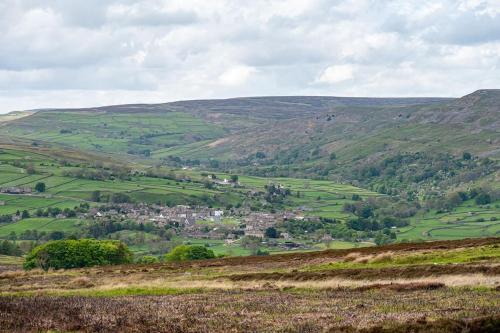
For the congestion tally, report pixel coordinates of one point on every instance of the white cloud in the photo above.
(237, 75)
(86, 52)
(336, 74)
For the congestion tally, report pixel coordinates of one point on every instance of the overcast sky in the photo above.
(61, 53)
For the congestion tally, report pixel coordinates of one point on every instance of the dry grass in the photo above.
(353, 256)
(256, 294)
(374, 310)
(80, 282)
(382, 257)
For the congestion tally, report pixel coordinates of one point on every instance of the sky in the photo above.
(81, 53)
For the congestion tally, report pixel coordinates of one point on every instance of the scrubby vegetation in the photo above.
(189, 252)
(77, 253)
(389, 288)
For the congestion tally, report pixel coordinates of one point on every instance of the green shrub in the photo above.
(148, 260)
(40, 187)
(77, 253)
(483, 199)
(189, 252)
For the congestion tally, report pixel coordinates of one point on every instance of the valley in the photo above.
(276, 204)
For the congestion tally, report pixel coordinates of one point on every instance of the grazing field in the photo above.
(110, 132)
(320, 198)
(469, 220)
(39, 224)
(442, 286)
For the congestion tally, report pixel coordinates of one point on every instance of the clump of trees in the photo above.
(78, 253)
(408, 173)
(251, 243)
(40, 187)
(98, 173)
(9, 248)
(148, 260)
(189, 252)
(481, 196)
(276, 193)
(5, 218)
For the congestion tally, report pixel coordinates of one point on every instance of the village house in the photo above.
(16, 190)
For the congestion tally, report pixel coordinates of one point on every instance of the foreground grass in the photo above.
(489, 253)
(116, 292)
(262, 311)
(268, 294)
(10, 260)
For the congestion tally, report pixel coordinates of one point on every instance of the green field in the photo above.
(115, 132)
(323, 198)
(467, 220)
(309, 198)
(40, 224)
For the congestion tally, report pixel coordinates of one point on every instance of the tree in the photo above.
(25, 214)
(260, 155)
(30, 169)
(189, 252)
(271, 232)
(120, 198)
(40, 187)
(483, 198)
(95, 196)
(148, 260)
(234, 178)
(251, 243)
(78, 253)
(10, 248)
(466, 156)
(333, 156)
(381, 239)
(56, 235)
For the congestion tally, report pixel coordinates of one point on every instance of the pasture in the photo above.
(467, 220)
(308, 197)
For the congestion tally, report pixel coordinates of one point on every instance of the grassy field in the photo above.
(468, 219)
(421, 287)
(40, 224)
(63, 191)
(317, 198)
(115, 132)
(10, 261)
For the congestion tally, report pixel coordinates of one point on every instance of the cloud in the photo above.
(336, 73)
(236, 75)
(144, 14)
(80, 53)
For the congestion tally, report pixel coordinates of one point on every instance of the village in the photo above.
(199, 222)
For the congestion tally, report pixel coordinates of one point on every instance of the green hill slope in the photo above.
(298, 136)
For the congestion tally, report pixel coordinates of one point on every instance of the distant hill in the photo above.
(313, 135)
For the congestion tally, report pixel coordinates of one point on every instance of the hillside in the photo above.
(195, 126)
(235, 129)
(415, 287)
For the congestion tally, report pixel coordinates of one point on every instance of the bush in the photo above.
(120, 198)
(148, 260)
(261, 252)
(271, 232)
(25, 214)
(189, 252)
(77, 253)
(40, 187)
(483, 199)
